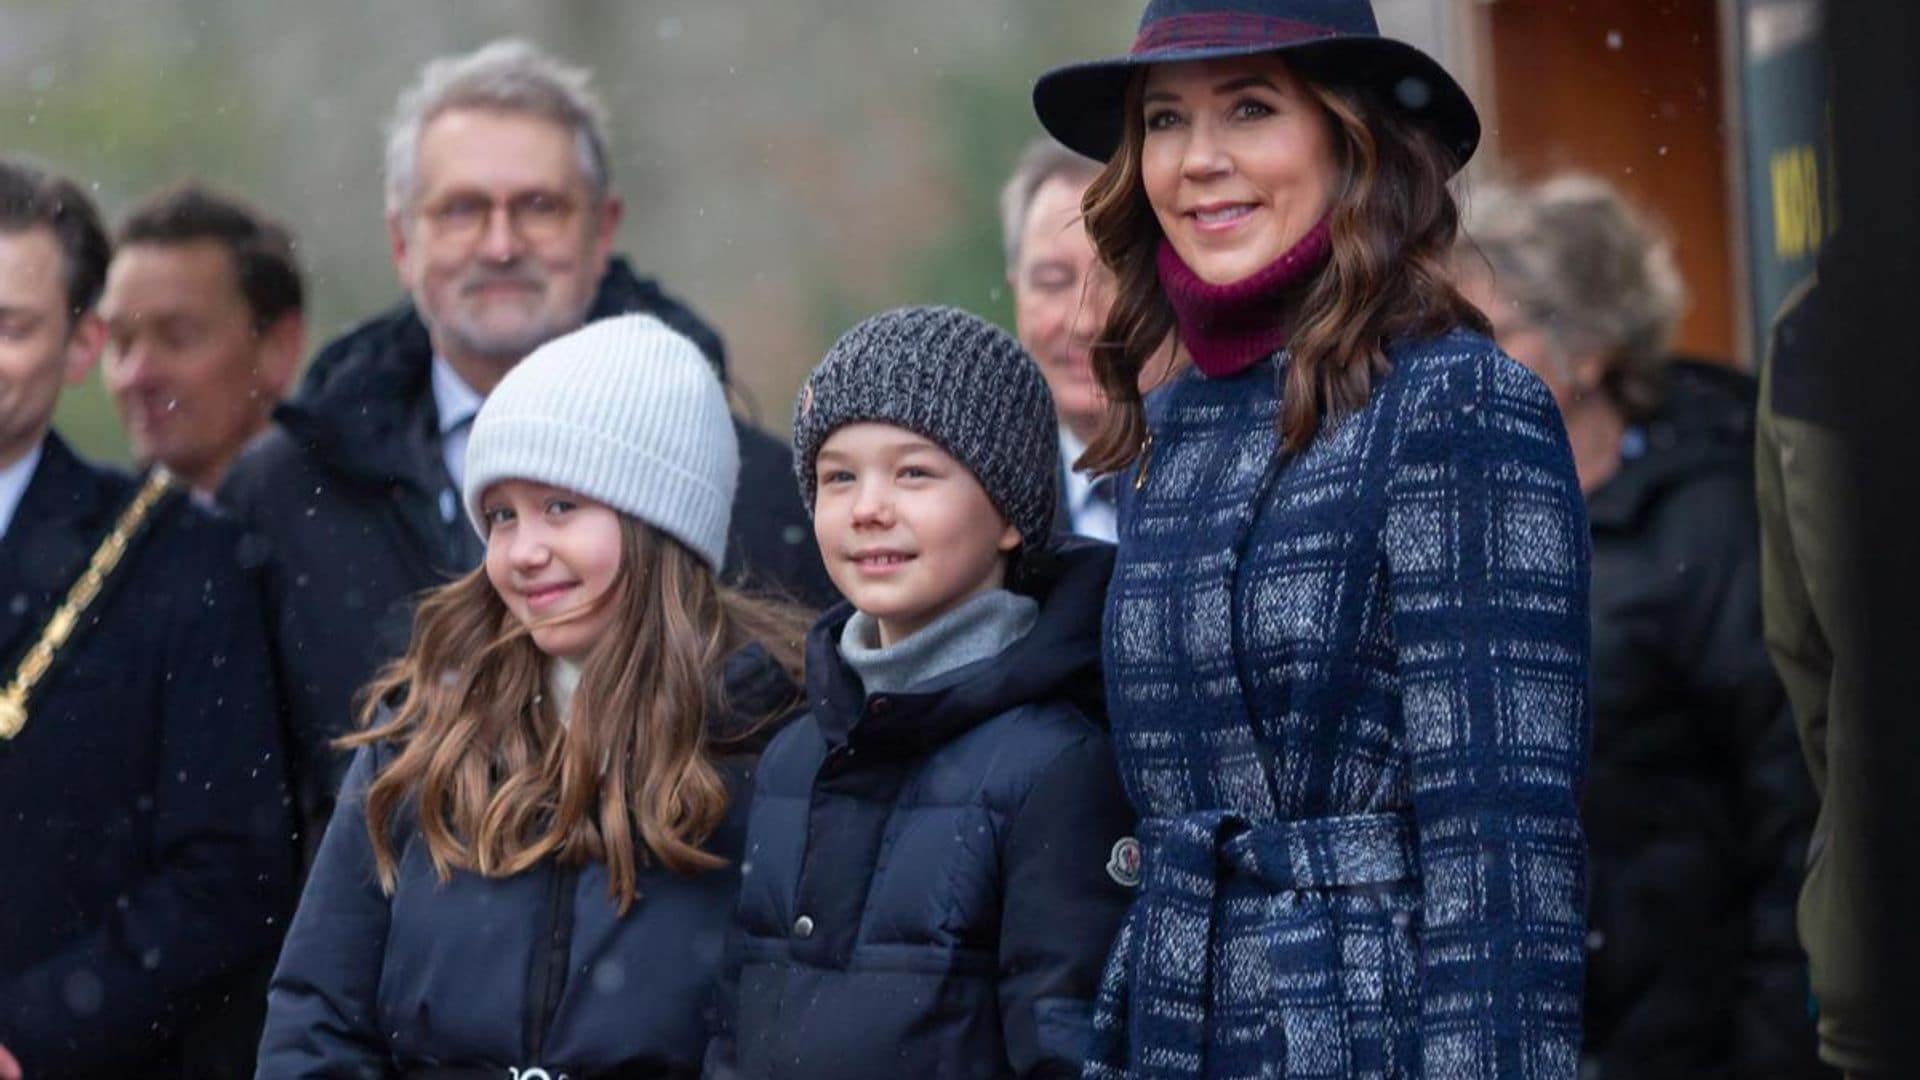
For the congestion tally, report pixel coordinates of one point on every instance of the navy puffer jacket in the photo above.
(503, 977)
(927, 890)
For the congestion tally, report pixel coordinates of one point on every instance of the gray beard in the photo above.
(505, 350)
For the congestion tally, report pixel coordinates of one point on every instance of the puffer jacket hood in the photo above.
(761, 697)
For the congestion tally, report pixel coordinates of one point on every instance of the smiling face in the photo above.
(190, 374)
(1060, 299)
(41, 346)
(504, 241)
(1237, 161)
(554, 558)
(907, 532)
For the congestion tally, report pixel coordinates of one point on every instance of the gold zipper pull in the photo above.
(1146, 458)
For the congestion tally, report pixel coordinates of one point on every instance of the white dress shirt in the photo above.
(1091, 516)
(456, 402)
(13, 484)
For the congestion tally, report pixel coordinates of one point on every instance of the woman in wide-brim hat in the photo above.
(1347, 636)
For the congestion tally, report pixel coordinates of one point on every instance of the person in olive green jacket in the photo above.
(1802, 553)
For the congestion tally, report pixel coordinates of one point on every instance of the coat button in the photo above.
(803, 927)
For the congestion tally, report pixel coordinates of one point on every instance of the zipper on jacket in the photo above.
(547, 973)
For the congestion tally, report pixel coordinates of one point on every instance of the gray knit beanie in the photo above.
(955, 379)
(624, 411)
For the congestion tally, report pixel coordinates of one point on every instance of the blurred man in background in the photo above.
(145, 850)
(501, 217)
(1060, 299)
(206, 327)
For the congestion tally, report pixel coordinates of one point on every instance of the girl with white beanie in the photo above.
(533, 856)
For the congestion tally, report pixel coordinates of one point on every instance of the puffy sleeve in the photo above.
(321, 1018)
(1062, 908)
(1485, 540)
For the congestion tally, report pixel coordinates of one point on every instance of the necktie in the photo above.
(464, 547)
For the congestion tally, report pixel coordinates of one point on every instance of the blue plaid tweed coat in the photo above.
(1349, 697)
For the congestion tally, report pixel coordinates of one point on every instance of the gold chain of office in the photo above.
(60, 626)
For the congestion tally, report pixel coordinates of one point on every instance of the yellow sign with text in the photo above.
(1797, 225)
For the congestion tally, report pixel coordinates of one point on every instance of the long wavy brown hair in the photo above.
(495, 778)
(1393, 224)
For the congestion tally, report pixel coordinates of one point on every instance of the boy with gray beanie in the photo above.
(938, 853)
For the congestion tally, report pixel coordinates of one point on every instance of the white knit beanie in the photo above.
(625, 412)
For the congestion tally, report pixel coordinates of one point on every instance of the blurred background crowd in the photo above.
(790, 166)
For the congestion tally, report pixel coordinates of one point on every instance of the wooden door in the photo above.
(1629, 90)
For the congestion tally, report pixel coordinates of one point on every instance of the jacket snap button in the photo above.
(803, 927)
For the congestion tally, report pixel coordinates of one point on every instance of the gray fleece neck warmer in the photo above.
(979, 628)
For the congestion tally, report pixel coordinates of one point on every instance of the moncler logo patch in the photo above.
(1123, 863)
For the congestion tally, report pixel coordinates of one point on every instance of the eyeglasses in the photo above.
(537, 217)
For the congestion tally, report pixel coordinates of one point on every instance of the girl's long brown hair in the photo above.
(1393, 224)
(495, 779)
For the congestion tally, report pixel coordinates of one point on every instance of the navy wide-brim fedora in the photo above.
(1080, 104)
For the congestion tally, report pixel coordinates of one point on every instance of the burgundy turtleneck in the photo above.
(1228, 328)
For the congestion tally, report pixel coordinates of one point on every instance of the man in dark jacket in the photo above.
(1060, 299)
(145, 847)
(502, 223)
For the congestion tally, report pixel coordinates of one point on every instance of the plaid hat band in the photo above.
(1223, 30)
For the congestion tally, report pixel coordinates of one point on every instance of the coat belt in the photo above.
(1187, 854)
(1169, 984)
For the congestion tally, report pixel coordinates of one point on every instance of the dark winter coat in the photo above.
(146, 852)
(1698, 805)
(493, 977)
(928, 892)
(350, 493)
(1348, 690)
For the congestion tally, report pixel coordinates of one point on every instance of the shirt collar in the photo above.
(13, 484)
(453, 398)
(1079, 485)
